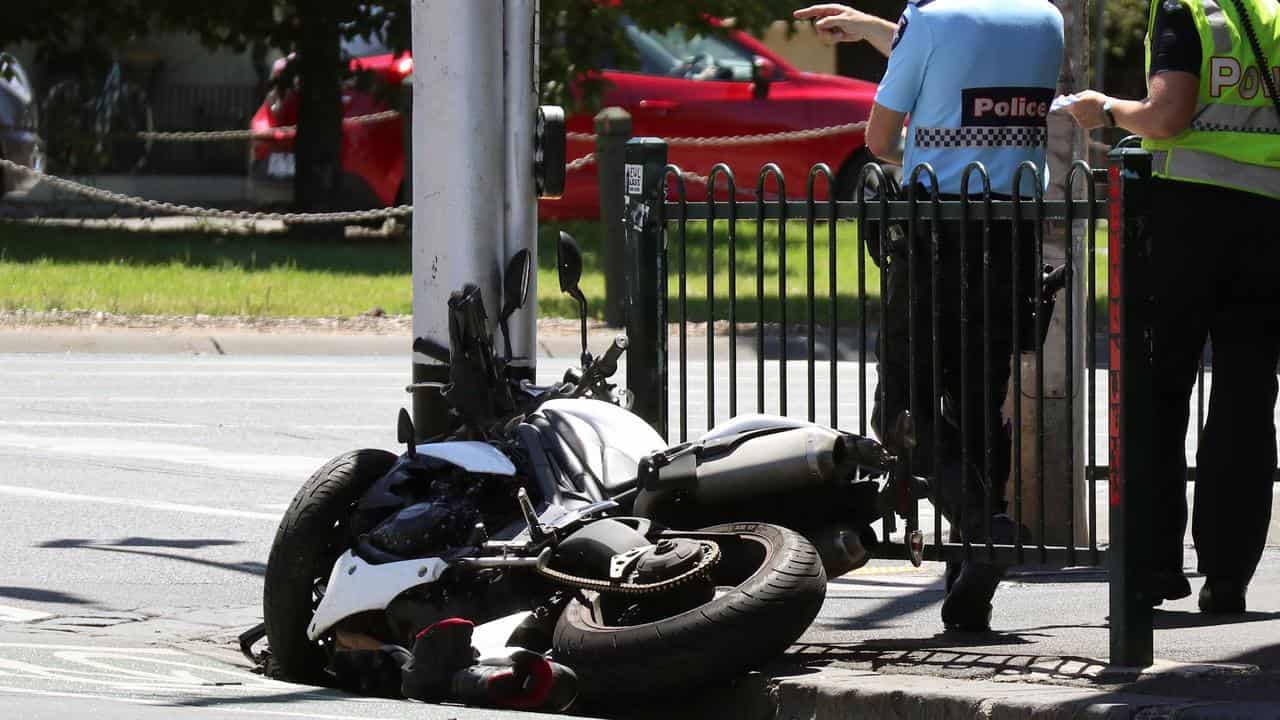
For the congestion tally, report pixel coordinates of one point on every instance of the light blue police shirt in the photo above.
(977, 78)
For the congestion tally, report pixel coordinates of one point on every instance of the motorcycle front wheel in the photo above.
(311, 536)
(769, 587)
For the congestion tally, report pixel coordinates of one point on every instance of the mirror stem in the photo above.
(506, 338)
(582, 315)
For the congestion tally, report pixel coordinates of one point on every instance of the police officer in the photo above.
(976, 78)
(1211, 120)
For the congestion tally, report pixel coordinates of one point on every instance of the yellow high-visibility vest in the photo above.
(1234, 138)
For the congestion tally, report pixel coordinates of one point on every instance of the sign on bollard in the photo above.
(643, 180)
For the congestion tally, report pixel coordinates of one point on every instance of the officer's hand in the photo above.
(1087, 109)
(837, 23)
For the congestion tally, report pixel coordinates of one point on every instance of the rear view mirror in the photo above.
(515, 291)
(569, 262)
(405, 431)
(515, 283)
(763, 72)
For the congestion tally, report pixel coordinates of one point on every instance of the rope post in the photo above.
(1131, 400)
(646, 278)
(613, 130)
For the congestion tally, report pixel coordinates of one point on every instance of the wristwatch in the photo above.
(1106, 110)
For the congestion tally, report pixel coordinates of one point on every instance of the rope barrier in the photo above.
(272, 134)
(101, 195)
(378, 214)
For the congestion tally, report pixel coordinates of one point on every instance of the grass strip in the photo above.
(45, 267)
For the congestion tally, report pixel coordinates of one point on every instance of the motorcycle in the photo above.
(570, 526)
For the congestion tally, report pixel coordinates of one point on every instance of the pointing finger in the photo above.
(820, 11)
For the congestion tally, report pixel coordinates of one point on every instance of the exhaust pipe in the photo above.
(787, 461)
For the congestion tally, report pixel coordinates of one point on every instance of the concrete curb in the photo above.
(839, 694)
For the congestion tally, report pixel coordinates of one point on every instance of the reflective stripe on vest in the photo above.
(1218, 25)
(1216, 170)
(1236, 118)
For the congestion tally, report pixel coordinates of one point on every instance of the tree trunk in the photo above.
(319, 142)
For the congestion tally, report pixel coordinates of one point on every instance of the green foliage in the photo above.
(1126, 27)
(577, 34)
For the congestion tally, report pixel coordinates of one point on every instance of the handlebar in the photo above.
(431, 349)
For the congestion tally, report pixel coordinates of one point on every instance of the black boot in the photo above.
(439, 651)
(1168, 585)
(968, 604)
(1223, 596)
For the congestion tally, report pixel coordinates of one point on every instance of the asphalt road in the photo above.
(141, 494)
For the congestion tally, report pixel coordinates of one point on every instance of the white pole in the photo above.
(521, 32)
(459, 170)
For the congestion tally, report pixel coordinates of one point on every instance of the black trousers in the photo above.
(1216, 261)
(972, 468)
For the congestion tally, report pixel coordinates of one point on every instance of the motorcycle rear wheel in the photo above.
(311, 536)
(770, 586)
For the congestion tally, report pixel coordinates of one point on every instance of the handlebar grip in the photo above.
(431, 349)
(608, 363)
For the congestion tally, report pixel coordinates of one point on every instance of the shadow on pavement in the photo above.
(248, 567)
(1174, 619)
(42, 596)
(184, 544)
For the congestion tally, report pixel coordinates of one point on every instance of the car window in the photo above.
(673, 53)
(366, 45)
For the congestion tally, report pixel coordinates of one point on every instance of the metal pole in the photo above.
(643, 173)
(521, 81)
(1063, 478)
(613, 130)
(1131, 407)
(459, 173)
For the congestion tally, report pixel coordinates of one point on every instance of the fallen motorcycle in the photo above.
(566, 523)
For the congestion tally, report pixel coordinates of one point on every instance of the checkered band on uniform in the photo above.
(966, 137)
(1219, 127)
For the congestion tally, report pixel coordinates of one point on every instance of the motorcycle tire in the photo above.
(311, 536)
(769, 590)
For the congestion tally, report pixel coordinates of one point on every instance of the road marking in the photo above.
(211, 372)
(260, 464)
(137, 651)
(99, 424)
(321, 399)
(20, 615)
(173, 425)
(187, 707)
(19, 491)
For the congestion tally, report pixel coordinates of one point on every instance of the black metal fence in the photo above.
(826, 343)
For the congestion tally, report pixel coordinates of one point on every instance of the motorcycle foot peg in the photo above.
(915, 547)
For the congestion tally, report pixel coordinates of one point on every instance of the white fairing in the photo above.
(476, 457)
(749, 423)
(614, 439)
(355, 586)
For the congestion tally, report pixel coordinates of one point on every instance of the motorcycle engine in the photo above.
(426, 528)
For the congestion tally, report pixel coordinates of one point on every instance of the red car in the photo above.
(706, 86)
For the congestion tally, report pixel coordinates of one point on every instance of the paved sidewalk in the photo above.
(878, 650)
